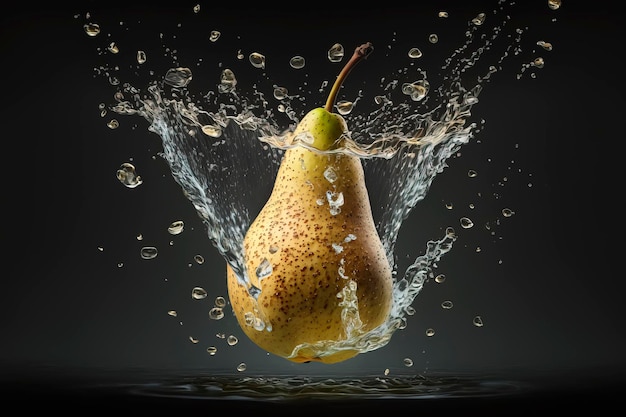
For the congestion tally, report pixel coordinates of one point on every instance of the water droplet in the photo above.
(440, 278)
(232, 340)
(344, 107)
(297, 62)
(330, 175)
(149, 252)
(216, 313)
(417, 90)
(471, 173)
(415, 53)
(466, 223)
(228, 82)
(430, 332)
(141, 57)
(447, 305)
(113, 48)
(257, 60)
(506, 212)
(538, 62)
(178, 77)
(545, 45)
(433, 38)
(176, 227)
(196, 8)
(336, 53)
(220, 302)
(280, 93)
(408, 362)
(113, 124)
(172, 313)
(211, 350)
(128, 176)
(193, 340)
(554, 4)
(273, 249)
(213, 131)
(478, 321)
(264, 269)
(241, 367)
(386, 371)
(409, 310)
(335, 201)
(92, 29)
(443, 14)
(479, 19)
(199, 259)
(215, 35)
(198, 293)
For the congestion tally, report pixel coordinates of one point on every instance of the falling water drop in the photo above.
(215, 35)
(127, 175)
(149, 252)
(466, 223)
(198, 293)
(336, 53)
(257, 60)
(176, 227)
(297, 62)
(415, 53)
(92, 29)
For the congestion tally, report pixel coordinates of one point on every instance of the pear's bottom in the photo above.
(319, 336)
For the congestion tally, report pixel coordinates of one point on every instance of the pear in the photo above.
(313, 250)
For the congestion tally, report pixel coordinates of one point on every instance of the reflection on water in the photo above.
(290, 388)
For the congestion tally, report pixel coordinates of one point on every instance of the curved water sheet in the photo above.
(224, 149)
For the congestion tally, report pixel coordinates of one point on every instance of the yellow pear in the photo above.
(313, 250)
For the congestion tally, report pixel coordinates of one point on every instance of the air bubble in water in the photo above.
(127, 175)
(149, 252)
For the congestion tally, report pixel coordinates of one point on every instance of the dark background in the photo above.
(551, 307)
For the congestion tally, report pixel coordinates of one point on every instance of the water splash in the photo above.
(225, 159)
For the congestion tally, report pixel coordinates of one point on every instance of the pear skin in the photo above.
(317, 233)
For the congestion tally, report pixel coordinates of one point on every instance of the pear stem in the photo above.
(360, 53)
